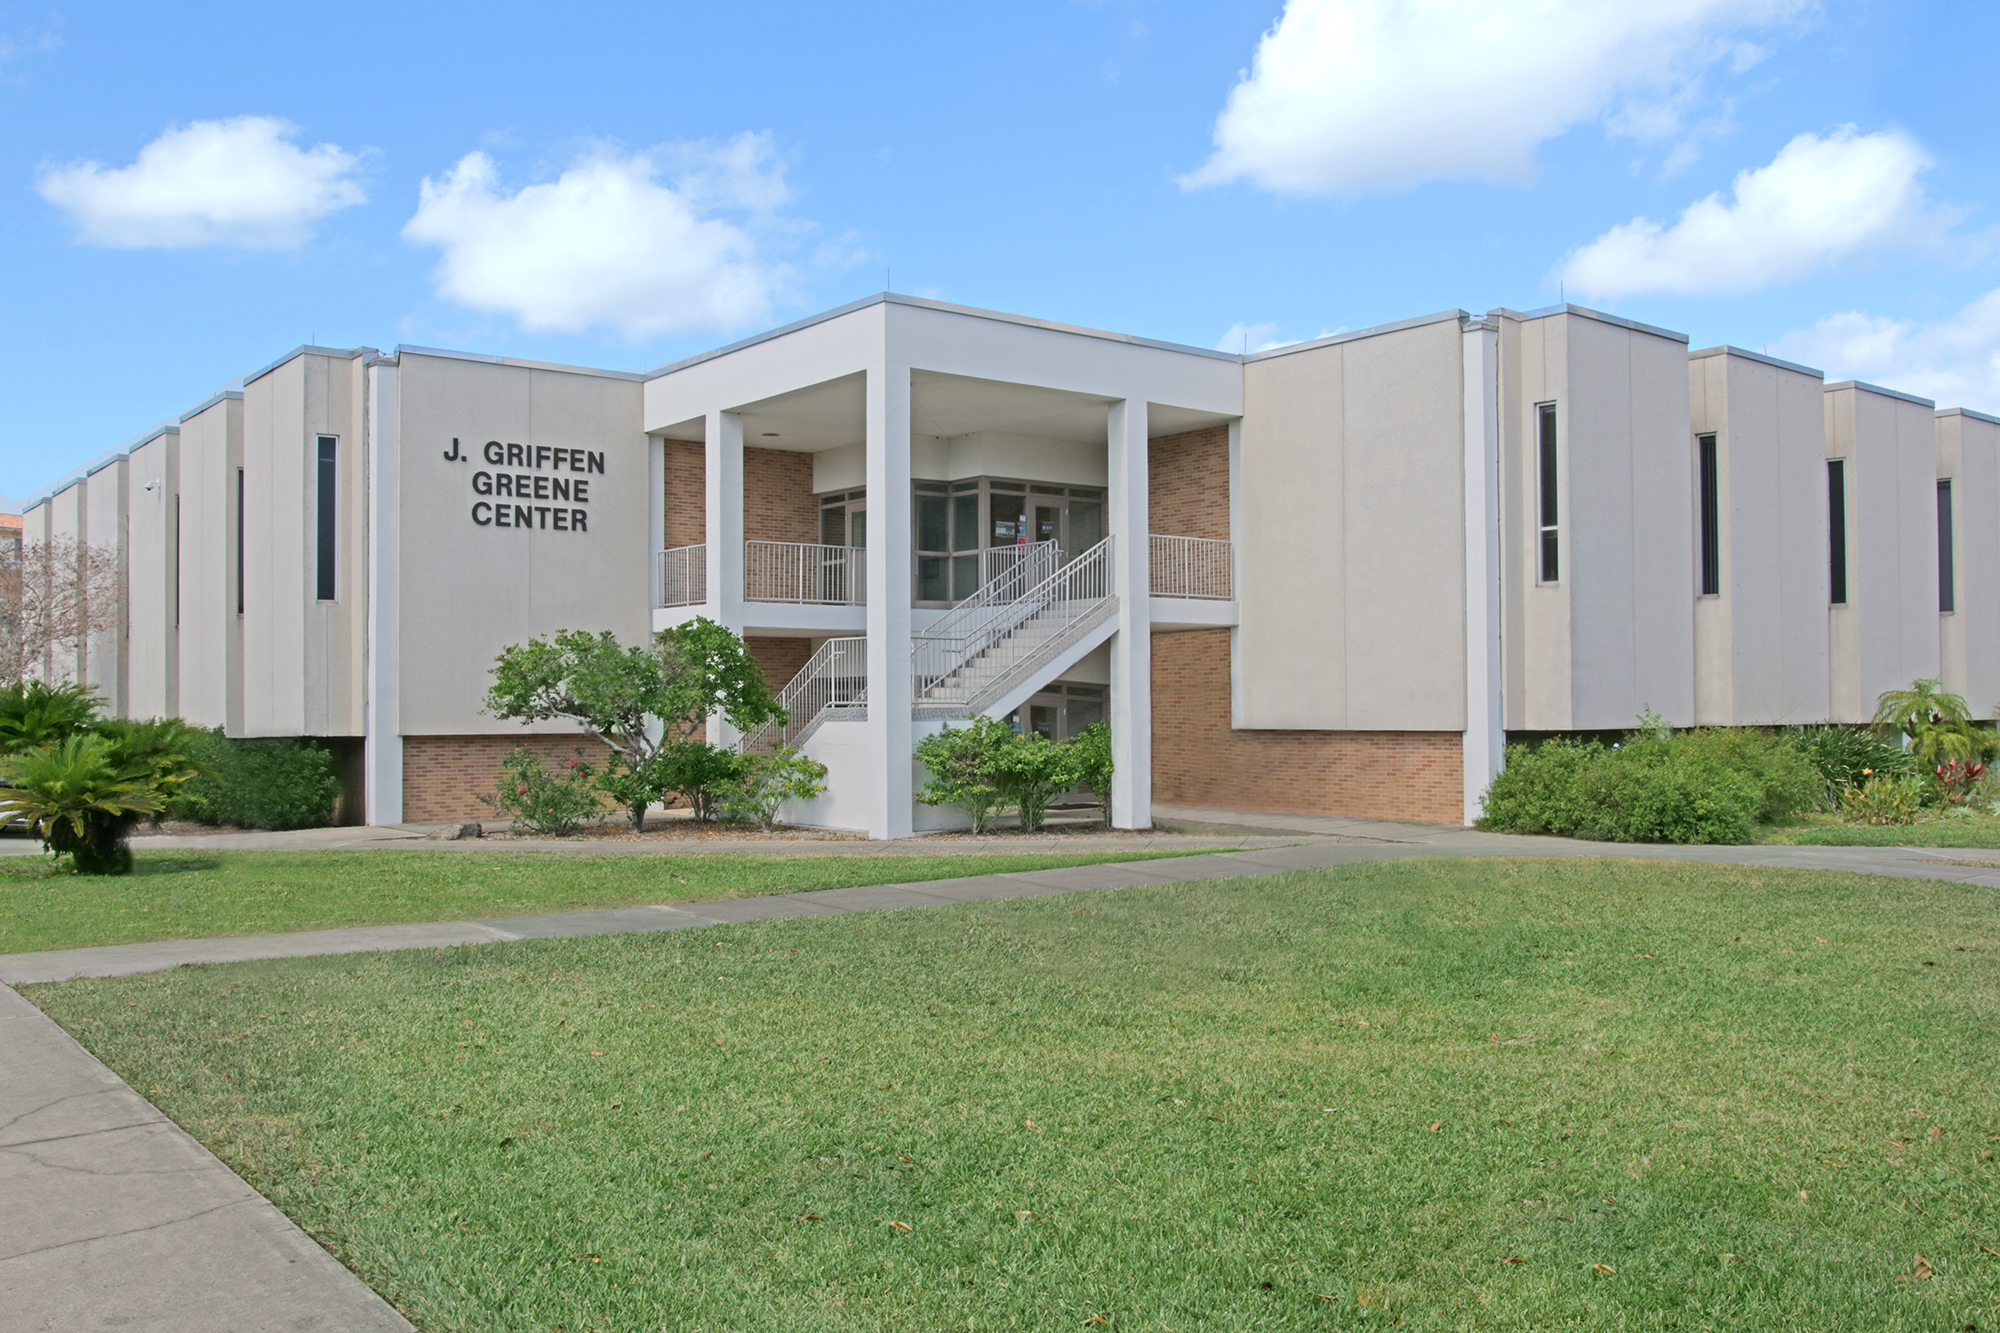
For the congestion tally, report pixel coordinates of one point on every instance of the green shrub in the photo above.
(278, 783)
(1091, 751)
(1031, 771)
(1846, 757)
(35, 713)
(769, 780)
(1538, 792)
(699, 773)
(1708, 785)
(82, 794)
(1886, 799)
(960, 761)
(538, 798)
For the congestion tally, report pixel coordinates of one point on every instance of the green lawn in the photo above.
(1432, 1094)
(191, 894)
(1931, 830)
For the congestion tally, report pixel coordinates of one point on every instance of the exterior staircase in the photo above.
(983, 649)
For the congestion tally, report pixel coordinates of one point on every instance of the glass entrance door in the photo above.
(843, 522)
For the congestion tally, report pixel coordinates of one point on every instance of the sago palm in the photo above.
(79, 798)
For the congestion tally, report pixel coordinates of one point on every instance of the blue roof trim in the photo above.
(1886, 393)
(1600, 316)
(1395, 326)
(1726, 350)
(1968, 412)
(307, 349)
(219, 396)
(518, 363)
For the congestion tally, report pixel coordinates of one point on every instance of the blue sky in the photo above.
(190, 192)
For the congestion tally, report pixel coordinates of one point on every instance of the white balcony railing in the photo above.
(805, 573)
(1192, 567)
(682, 577)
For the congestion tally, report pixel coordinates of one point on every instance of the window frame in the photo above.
(1836, 531)
(1947, 552)
(1548, 496)
(326, 518)
(1708, 513)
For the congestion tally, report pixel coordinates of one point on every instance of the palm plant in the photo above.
(1936, 723)
(34, 712)
(81, 795)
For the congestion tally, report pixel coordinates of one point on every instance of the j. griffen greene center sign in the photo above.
(551, 474)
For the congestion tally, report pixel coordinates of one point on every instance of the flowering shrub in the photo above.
(1885, 799)
(1955, 780)
(540, 798)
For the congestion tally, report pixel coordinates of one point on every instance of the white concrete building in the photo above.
(1330, 577)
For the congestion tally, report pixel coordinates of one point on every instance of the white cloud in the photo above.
(1955, 360)
(238, 182)
(1347, 96)
(608, 244)
(1818, 202)
(1249, 338)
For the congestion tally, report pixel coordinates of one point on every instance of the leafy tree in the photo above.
(961, 763)
(645, 704)
(772, 779)
(1031, 771)
(1090, 751)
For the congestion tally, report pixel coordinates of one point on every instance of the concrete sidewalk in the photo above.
(112, 1216)
(127, 959)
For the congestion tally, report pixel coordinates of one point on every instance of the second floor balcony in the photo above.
(809, 574)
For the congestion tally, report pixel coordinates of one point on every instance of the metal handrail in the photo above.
(805, 573)
(1194, 567)
(833, 681)
(959, 659)
(682, 576)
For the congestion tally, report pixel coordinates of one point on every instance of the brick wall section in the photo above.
(1198, 759)
(686, 499)
(1187, 490)
(778, 500)
(444, 776)
(780, 658)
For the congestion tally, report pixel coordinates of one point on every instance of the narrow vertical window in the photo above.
(1836, 530)
(1711, 518)
(1545, 432)
(177, 560)
(1947, 589)
(328, 494)
(239, 541)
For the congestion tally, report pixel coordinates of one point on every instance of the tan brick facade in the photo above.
(780, 658)
(1199, 759)
(778, 500)
(444, 776)
(1187, 491)
(686, 499)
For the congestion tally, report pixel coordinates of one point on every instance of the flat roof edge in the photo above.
(1968, 412)
(219, 396)
(1375, 330)
(1747, 355)
(307, 349)
(1865, 387)
(944, 307)
(517, 363)
(1600, 316)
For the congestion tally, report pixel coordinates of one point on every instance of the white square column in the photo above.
(656, 515)
(722, 478)
(890, 813)
(1132, 645)
(1485, 741)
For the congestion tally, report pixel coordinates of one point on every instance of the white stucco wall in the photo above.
(465, 590)
(303, 659)
(211, 633)
(1887, 634)
(1968, 452)
(1614, 635)
(152, 653)
(104, 499)
(1350, 573)
(1760, 644)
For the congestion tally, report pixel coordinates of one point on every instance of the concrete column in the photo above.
(723, 476)
(1485, 741)
(1132, 645)
(656, 514)
(382, 743)
(889, 537)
